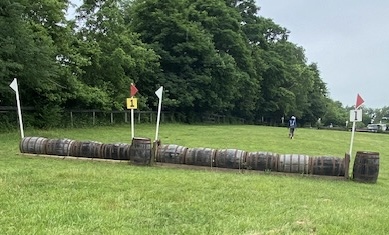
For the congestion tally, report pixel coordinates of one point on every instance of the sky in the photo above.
(348, 39)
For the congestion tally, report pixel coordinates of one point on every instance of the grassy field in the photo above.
(41, 195)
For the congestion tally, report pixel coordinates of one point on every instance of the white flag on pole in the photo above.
(159, 92)
(14, 85)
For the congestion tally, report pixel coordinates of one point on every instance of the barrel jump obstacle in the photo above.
(143, 152)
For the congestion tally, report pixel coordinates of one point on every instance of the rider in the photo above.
(292, 126)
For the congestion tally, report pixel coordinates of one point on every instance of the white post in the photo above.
(352, 138)
(355, 116)
(132, 123)
(14, 86)
(133, 91)
(158, 117)
(159, 94)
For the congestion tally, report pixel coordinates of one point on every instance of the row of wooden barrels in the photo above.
(260, 161)
(140, 152)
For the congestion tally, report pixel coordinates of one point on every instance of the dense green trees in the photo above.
(116, 57)
(212, 57)
(30, 34)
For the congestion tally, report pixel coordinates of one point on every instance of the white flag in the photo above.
(14, 85)
(159, 92)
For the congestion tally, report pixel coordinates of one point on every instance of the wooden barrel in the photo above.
(105, 151)
(123, 152)
(171, 153)
(141, 151)
(88, 149)
(200, 156)
(60, 147)
(230, 158)
(366, 167)
(261, 161)
(92, 149)
(75, 149)
(332, 166)
(293, 163)
(117, 151)
(35, 145)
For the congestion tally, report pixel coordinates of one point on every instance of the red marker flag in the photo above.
(360, 101)
(133, 90)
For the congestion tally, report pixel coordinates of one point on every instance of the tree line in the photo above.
(212, 57)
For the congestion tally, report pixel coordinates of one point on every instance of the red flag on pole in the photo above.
(360, 101)
(133, 90)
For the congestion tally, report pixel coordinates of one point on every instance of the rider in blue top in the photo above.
(292, 125)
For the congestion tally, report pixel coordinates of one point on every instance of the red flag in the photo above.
(133, 90)
(360, 101)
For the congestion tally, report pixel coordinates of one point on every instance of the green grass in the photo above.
(54, 196)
